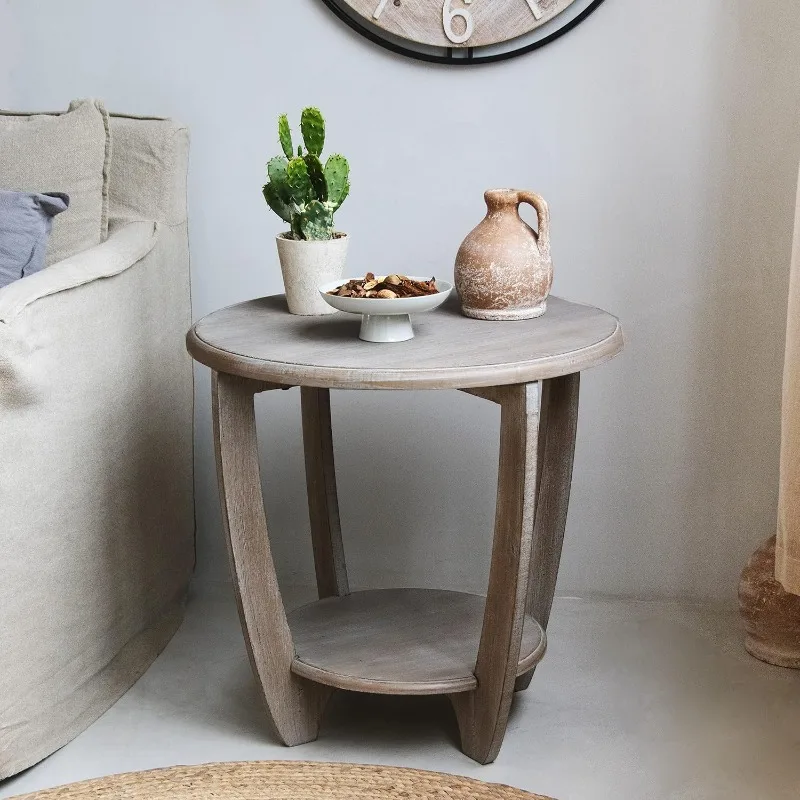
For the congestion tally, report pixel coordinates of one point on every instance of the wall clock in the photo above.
(462, 31)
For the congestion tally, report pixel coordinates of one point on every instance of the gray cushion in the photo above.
(68, 153)
(25, 223)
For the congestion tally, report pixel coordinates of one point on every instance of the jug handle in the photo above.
(543, 212)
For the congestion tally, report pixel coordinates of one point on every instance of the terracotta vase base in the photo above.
(773, 654)
(506, 313)
(771, 615)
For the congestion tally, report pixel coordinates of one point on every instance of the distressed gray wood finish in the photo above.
(483, 714)
(403, 641)
(259, 340)
(323, 503)
(557, 454)
(398, 641)
(295, 705)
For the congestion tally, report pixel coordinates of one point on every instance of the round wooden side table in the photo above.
(476, 650)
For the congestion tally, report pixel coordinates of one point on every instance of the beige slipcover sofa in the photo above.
(96, 472)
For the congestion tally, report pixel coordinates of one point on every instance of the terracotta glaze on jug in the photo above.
(503, 268)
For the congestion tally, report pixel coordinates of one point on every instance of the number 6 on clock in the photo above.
(448, 15)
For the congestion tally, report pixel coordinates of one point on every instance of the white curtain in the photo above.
(787, 554)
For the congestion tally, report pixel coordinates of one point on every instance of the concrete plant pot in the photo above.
(307, 265)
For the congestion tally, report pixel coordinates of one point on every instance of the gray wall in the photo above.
(665, 137)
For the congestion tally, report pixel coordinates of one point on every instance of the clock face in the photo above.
(462, 31)
(458, 23)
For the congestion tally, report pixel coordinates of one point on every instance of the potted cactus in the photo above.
(305, 193)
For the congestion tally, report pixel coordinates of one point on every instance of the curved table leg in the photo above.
(560, 422)
(483, 714)
(294, 704)
(323, 503)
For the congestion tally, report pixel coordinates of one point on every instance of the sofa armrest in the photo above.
(126, 246)
(97, 529)
(149, 166)
(45, 316)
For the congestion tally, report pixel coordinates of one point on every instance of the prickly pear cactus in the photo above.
(312, 126)
(316, 174)
(300, 190)
(337, 176)
(285, 136)
(277, 203)
(276, 170)
(316, 221)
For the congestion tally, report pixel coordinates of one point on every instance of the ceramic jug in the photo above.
(503, 268)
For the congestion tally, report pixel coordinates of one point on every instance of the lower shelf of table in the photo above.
(398, 641)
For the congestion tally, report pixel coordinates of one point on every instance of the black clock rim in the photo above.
(458, 60)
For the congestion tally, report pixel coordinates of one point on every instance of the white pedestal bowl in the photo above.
(385, 320)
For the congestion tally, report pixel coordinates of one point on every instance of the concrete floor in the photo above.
(634, 700)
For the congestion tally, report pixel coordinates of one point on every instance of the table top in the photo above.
(259, 339)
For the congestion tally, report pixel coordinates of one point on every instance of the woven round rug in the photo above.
(283, 780)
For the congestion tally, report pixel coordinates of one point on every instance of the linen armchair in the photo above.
(96, 455)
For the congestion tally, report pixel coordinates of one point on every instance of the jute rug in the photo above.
(283, 780)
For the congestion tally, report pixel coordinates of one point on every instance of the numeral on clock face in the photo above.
(535, 10)
(463, 31)
(448, 15)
